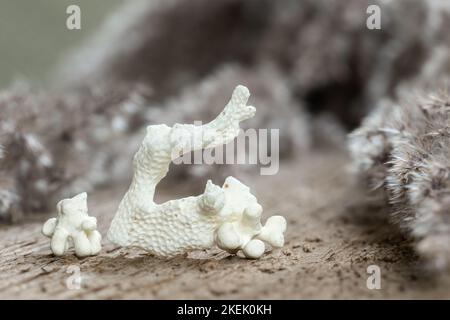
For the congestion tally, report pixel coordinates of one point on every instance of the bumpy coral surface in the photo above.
(73, 225)
(191, 223)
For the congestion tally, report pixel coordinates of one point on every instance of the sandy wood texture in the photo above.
(332, 238)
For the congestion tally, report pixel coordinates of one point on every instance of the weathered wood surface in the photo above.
(332, 237)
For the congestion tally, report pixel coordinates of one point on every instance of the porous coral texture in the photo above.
(181, 225)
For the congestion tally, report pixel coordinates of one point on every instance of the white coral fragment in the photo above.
(228, 216)
(73, 225)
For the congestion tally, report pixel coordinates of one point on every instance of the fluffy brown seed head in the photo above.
(415, 171)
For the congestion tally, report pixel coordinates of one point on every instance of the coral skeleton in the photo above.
(404, 149)
(74, 226)
(229, 216)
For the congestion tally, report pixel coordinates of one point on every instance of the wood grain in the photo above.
(332, 236)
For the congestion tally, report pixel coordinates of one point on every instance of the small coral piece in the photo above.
(248, 234)
(73, 224)
(228, 215)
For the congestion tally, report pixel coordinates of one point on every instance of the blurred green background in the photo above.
(34, 37)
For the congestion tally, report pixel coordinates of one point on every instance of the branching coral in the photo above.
(178, 226)
(405, 148)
